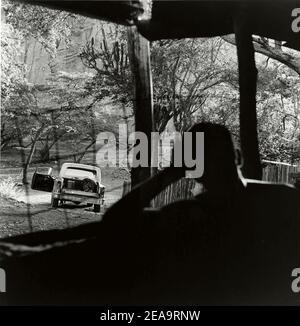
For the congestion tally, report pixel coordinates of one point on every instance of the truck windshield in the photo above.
(80, 173)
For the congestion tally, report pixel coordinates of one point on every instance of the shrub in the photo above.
(10, 189)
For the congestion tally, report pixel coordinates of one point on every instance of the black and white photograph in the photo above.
(150, 155)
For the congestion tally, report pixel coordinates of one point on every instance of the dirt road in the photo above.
(16, 217)
(34, 210)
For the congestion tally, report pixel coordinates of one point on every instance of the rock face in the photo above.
(42, 65)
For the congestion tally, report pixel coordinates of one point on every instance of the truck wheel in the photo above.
(97, 208)
(54, 202)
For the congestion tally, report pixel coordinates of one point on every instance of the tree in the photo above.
(277, 110)
(108, 58)
(48, 26)
(183, 71)
(262, 45)
(37, 112)
(278, 113)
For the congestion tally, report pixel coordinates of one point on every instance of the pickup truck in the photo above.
(78, 183)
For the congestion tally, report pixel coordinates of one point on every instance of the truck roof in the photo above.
(81, 166)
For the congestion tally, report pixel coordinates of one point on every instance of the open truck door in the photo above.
(42, 182)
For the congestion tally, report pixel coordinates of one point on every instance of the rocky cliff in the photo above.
(41, 64)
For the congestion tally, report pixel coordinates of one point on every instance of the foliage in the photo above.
(38, 113)
(183, 70)
(197, 80)
(279, 113)
(9, 189)
(277, 110)
(193, 80)
(183, 73)
(48, 26)
(108, 57)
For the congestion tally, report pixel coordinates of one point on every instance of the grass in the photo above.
(9, 189)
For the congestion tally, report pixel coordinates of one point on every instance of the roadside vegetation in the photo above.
(9, 188)
(194, 80)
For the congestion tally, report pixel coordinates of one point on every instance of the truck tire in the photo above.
(54, 202)
(97, 208)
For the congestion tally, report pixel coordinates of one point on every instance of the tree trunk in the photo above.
(29, 158)
(45, 151)
(292, 61)
(248, 116)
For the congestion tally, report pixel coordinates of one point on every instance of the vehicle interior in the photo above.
(235, 243)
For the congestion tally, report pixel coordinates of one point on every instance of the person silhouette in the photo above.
(236, 242)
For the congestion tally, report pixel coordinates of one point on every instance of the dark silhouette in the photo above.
(297, 184)
(236, 243)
